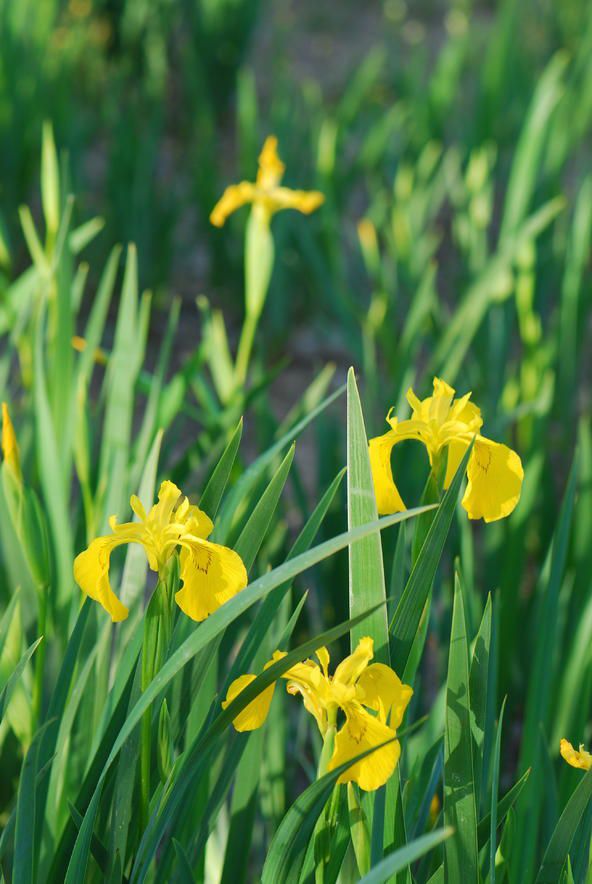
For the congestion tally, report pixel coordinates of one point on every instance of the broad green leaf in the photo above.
(561, 840)
(26, 847)
(253, 534)
(366, 570)
(408, 613)
(10, 685)
(55, 493)
(538, 703)
(214, 490)
(494, 793)
(404, 856)
(460, 811)
(480, 686)
(503, 808)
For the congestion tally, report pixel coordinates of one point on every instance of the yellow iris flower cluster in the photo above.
(266, 193)
(448, 425)
(372, 699)
(211, 573)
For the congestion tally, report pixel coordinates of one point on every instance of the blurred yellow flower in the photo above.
(266, 194)
(10, 450)
(579, 758)
(79, 344)
(211, 573)
(443, 423)
(372, 699)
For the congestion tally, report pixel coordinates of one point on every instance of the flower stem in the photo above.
(245, 346)
(157, 633)
(324, 829)
(327, 750)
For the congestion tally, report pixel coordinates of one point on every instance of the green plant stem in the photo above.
(323, 827)
(327, 750)
(245, 347)
(37, 701)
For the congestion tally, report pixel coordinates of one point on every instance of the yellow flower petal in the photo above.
(580, 758)
(305, 201)
(384, 691)
(91, 573)
(253, 715)
(456, 451)
(307, 680)
(388, 499)
(198, 522)
(271, 168)
(350, 669)
(495, 477)
(361, 732)
(10, 449)
(168, 496)
(211, 575)
(235, 196)
(324, 659)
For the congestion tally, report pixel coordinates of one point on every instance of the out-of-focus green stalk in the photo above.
(259, 257)
(37, 698)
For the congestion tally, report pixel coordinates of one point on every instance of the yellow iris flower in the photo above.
(372, 699)
(211, 573)
(10, 449)
(266, 194)
(576, 758)
(443, 423)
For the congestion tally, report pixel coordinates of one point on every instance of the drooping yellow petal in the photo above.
(388, 499)
(362, 731)
(307, 680)
(10, 449)
(576, 758)
(495, 477)
(351, 668)
(235, 196)
(211, 575)
(255, 714)
(305, 201)
(383, 690)
(91, 573)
